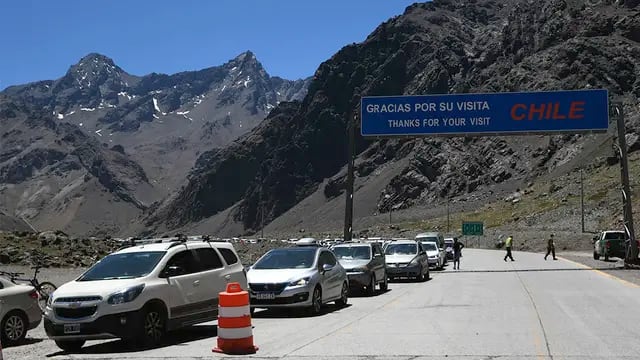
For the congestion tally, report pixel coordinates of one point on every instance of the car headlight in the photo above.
(414, 262)
(300, 282)
(126, 295)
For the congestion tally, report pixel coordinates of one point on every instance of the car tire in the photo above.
(344, 296)
(596, 256)
(14, 328)
(384, 285)
(420, 277)
(316, 302)
(427, 276)
(152, 326)
(371, 288)
(70, 346)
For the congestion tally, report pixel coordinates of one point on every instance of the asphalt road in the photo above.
(491, 309)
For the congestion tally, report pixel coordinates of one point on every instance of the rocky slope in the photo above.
(290, 172)
(98, 128)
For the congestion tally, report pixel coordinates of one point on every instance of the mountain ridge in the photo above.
(437, 47)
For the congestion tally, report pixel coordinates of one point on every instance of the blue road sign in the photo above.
(486, 114)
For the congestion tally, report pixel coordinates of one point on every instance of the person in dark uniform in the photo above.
(457, 253)
(551, 248)
(508, 244)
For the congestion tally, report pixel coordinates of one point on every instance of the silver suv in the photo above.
(365, 265)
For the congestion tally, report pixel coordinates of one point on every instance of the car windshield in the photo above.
(401, 249)
(448, 243)
(352, 252)
(123, 266)
(291, 258)
(429, 246)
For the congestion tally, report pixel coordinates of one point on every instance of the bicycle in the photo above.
(44, 289)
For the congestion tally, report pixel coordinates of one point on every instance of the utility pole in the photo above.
(632, 249)
(261, 209)
(348, 209)
(582, 199)
(447, 214)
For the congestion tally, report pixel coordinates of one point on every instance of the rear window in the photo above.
(614, 236)
(209, 259)
(228, 256)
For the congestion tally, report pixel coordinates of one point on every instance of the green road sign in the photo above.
(472, 228)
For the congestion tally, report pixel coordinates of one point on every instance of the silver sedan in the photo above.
(19, 311)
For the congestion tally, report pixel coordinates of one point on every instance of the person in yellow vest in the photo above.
(508, 244)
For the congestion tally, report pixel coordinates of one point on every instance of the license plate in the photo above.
(265, 296)
(71, 328)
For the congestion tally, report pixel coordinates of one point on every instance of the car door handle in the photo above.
(227, 277)
(196, 283)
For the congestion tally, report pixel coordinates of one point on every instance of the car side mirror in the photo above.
(326, 267)
(173, 271)
(423, 252)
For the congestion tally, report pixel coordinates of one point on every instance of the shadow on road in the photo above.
(27, 341)
(363, 294)
(178, 337)
(535, 270)
(284, 313)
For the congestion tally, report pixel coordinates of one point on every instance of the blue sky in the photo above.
(41, 39)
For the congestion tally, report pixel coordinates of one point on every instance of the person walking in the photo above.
(457, 253)
(551, 248)
(508, 244)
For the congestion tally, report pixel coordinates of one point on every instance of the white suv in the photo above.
(141, 292)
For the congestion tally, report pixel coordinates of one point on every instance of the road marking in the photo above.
(607, 275)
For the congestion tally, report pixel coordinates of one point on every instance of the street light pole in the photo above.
(447, 214)
(582, 199)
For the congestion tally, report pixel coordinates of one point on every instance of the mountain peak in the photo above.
(93, 70)
(96, 58)
(247, 55)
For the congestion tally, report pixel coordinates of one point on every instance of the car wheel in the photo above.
(70, 345)
(371, 288)
(420, 276)
(596, 256)
(384, 286)
(316, 301)
(14, 328)
(344, 296)
(153, 326)
(427, 276)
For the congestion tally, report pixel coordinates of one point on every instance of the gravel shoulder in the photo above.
(613, 267)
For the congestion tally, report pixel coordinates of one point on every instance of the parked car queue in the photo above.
(148, 288)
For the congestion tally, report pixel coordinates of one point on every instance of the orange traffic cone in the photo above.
(235, 334)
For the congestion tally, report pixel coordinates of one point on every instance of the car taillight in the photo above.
(34, 295)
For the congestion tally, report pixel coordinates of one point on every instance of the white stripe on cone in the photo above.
(234, 311)
(234, 334)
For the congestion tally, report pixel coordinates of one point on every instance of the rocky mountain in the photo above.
(289, 172)
(99, 128)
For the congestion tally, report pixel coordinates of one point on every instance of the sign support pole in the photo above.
(582, 200)
(632, 250)
(348, 208)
